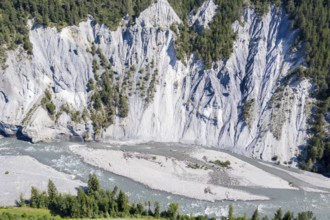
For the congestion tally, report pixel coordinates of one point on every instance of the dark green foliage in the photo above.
(95, 66)
(255, 215)
(157, 210)
(93, 203)
(93, 49)
(231, 212)
(34, 197)
(139, 209)
(173, 210)
(122, 202)
(48, 104)
(21, 202)
(318, 151)
(224, 164)
(151, 90)
(278, 215)
(288, 216)
(27, 45)
(75, 116)
(96, 202)
(93, 183)
(212, 43)
(315, 33)
(109, 93)
(109, 97)
(48, 95)
(261, 6)
(123, 106)
(38, 199)
(51, 107)
(196, 166)
(103, 59)
(52, 193)
(183, 7)
(15, 13)
(306, 216)
(97, 102)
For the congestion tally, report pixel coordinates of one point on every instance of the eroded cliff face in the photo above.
(248, 104)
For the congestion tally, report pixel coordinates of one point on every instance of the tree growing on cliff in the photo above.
(123, 106)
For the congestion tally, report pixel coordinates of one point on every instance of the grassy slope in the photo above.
(28, 212)
(45, 212)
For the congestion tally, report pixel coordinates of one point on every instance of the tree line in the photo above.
(212, 43)
(95, 202)
(15, 13)
(312, 18)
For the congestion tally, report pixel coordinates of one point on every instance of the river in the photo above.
(59, 157)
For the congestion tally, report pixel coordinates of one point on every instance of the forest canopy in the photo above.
(15, 13)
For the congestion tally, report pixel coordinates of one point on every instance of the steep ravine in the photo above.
(248, 103)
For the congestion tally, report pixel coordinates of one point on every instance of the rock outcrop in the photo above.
(249, 103)
(204, 15)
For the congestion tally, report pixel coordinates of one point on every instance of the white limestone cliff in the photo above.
(204, 14)
(191, 104)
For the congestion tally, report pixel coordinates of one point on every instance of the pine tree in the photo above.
(21, 202)
(34, 201)
(288, 216)
(231, 212)
(278, 215)
(255, 215)
(93, 184)
(157, 210)
(52, 192)
(173, 210)
(122, 202)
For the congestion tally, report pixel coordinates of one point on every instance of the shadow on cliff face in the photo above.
(20, 136)
(12, 131)
(2, 134)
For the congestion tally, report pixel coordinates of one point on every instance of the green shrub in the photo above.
(47, 103)
(51, 108)
(224, 164)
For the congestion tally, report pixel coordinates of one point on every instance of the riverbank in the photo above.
(191, 177)
(19, 173)
(58, 156)
(244, 173)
